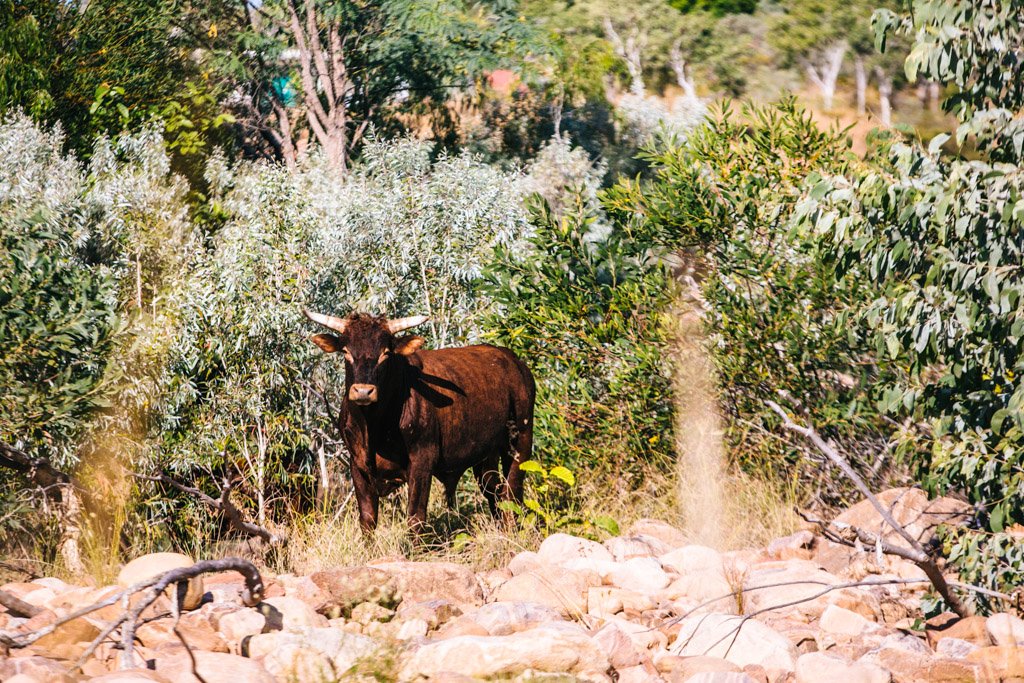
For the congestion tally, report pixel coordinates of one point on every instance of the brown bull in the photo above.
(408, 414)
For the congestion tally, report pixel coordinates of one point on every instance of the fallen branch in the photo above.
(223, 505)
(916, 552)
(154, 587)
(17, 606)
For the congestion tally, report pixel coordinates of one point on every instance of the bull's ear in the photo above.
(328, 342)
(406, 346)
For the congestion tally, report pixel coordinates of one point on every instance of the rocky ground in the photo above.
(645, 606)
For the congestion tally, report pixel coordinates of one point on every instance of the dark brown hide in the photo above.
(408, 414)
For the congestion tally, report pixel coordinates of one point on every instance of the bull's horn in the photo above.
(397, 325)
(336, 324)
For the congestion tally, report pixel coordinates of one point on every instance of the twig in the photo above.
(223, 505)
(916, 553)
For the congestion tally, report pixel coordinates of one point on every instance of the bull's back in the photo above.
(473, 393)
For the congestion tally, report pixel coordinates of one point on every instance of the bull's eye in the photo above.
(383, 356)
(348, 354)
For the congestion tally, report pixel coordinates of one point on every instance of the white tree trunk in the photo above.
(629, 51)
(825, 74)
(678, 65)
(884, 96)
(861, 78)
(70, 515)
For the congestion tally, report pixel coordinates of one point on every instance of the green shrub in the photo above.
(584, 307)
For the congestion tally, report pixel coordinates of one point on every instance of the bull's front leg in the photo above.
(421, 468)
(367, 497)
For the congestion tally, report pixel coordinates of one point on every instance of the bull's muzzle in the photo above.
(362, 394)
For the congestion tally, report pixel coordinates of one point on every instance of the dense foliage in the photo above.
(941, 239)
(585, 306)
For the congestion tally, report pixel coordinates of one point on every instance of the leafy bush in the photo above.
(585, 310)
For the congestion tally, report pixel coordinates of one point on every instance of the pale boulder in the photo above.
(838, 621)
(1005, 629)
(154, 564)
(955, 648)
(819, 667)
(554, 648)
(663, 531)
(560, 589)
(345, 587)
(640, 574)
(284, 613)
(720, 677)
(282, 650)
(422, 581)
(754, 643)
(692, 559)
(503, 618)
(213, 667)
(127, 676)
(561, 548)
(617, 646)
(627, 547)
(235, 626)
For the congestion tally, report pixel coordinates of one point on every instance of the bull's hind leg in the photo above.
(520, 446)
(489, 480)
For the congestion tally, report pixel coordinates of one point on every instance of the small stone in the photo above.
(947, 625)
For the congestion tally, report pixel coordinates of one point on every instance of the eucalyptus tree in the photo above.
(942, 239)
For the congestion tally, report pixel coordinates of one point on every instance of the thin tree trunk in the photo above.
(678, 65)
(861, 78)
(71, 529)
(884, 96)
(629, 50)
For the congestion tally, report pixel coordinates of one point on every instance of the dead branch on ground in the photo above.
(916, 553)
(153, 588)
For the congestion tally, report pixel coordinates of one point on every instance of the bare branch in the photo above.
(223, 505)
(251, 596)
(916, 553)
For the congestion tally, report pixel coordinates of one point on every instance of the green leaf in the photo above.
(532, 466)
(559, 472)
